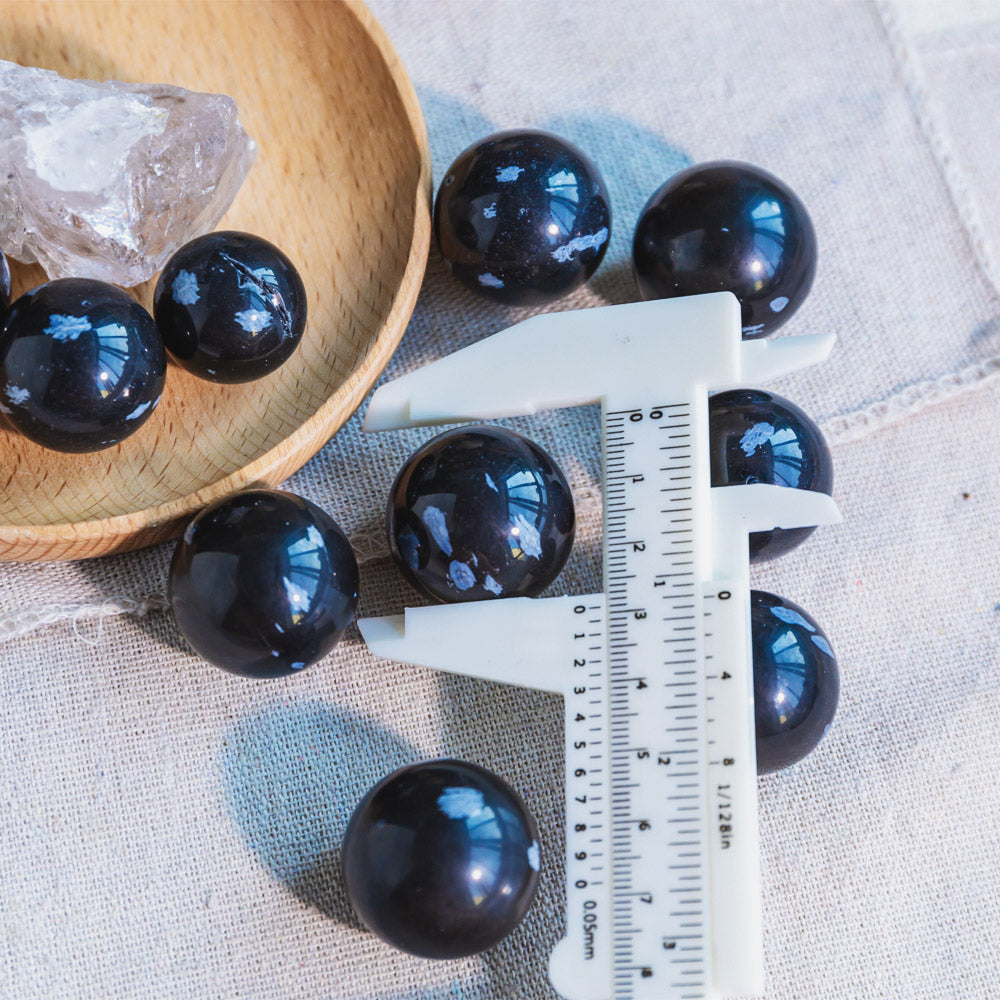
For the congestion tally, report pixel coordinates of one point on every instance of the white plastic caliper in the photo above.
(662, 867)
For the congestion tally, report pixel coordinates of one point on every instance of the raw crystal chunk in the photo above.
(107, 180)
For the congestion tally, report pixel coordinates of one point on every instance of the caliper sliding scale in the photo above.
(662, 858)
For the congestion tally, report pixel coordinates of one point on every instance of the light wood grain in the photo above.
(341, 184)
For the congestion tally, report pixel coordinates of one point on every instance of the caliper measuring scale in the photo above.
(662, 853)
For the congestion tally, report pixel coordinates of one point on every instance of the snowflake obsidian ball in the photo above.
(522, 217)
(231, 307)
(480, 512)
(81, 365)
(263, 583)
(796, 681)
(441, 859)
(759, 437)
(728, 226)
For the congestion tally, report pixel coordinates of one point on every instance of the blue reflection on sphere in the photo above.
(795, 679)
(760, 437)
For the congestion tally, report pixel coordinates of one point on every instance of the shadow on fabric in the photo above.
(634, 162)
(518, 734)
(292, 776)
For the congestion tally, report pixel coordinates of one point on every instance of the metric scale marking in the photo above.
(662, 871)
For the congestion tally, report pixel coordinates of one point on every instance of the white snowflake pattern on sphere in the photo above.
(184, 290)
(534, 855)
(580, 243)
(506, 175)
(67, 327)
(253, 320)
(461, 803)
(755, 437)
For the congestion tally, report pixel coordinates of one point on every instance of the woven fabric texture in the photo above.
(168, 830)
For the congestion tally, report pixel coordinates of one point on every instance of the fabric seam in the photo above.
(857, 424)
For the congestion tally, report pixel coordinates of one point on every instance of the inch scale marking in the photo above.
(662, 876)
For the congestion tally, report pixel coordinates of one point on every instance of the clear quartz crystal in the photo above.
(107, 180)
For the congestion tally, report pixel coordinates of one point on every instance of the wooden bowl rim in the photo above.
(163, 521)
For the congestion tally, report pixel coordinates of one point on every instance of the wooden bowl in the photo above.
(341, 184)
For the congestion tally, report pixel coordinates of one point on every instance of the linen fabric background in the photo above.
(168, 830)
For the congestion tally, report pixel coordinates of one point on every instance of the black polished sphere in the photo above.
(441, 859)
(796, 682)
(733, 227)
(4, 284)
(231, 307)
(480, 512)
(522, 217)
(759, 437)
(263, 583)
(81, 365)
